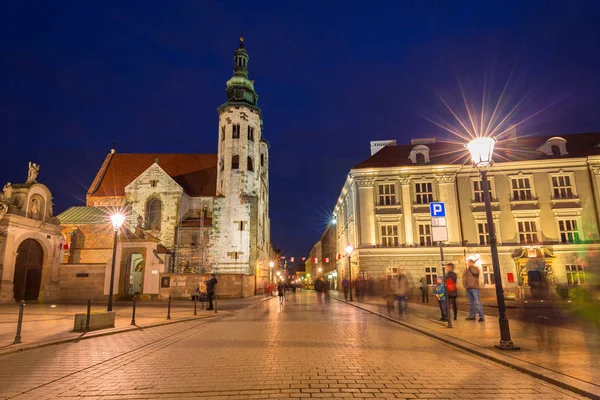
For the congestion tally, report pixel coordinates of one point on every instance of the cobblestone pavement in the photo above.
(298, 350)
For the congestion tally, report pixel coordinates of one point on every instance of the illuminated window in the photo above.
(488, 275)
(423, 192)
(527, 232)
(425, 238)
(575, 274)
(562, 187)
(431, 275)
(391, 271)
(389, 235)
(521, 188)
(568, 231)
(387, 194)
(484, 235)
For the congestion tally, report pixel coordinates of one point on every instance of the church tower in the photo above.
(241, 208)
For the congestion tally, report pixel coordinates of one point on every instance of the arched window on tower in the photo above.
(250, 133)
(250, 164)
(153, 213)
(555, 150)
(235, 133)
(262, 160)
(235, 162)
(222, 162)
(222, 133)
(420, 157)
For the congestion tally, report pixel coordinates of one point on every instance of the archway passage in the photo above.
(28, 270)
(134, 275)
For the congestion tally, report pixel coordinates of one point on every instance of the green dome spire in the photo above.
(240, 89)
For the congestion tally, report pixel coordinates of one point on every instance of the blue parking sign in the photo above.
(437, 209)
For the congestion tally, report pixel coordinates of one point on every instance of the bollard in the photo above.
(87, 318)
(133, 313)
(215, 295)
(169, 308)
(195, 301)
(20, 322)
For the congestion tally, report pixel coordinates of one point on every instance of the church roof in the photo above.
(196, 173)
(84, 215)
(444, 153)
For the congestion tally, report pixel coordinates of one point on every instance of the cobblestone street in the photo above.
(298, 350)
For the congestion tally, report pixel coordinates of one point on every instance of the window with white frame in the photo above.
(483, 234)
(488, 275)
(425, 237)
(477, 192)
(527, 232)
(391, 271)
(389, 235)
(562, 187)
(423, 192)
(575, 274)
(431, 275)
(387, 194)
(568, 231)
(521, 188)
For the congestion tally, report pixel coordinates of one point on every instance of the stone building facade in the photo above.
(187, 215)
(545, 199)
(30, 242)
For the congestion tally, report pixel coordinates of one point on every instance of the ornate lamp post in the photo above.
(349, 249)
(116, 220)
(482, 150)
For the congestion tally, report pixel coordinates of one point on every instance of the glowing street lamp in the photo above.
(349, 249)
(116, 221)
(320, 269)
(482, 150)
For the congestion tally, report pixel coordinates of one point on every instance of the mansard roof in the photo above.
(452, 152)
(196, 173)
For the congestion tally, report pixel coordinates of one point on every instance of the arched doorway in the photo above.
(28, 270)
(134, 275)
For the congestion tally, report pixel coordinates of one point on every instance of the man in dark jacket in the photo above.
(210, 290)
(451, 280)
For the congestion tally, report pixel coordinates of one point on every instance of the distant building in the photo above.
(545, 204)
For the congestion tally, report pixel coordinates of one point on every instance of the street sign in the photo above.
(437, 209)
(439, 233)
(438, 221)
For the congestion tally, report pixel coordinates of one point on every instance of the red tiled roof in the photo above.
(525, 148)
(196, 173)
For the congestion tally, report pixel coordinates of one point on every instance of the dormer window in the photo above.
(555, 147)
(419, 154)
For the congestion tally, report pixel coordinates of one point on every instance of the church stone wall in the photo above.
(141, 190)
(81, 281)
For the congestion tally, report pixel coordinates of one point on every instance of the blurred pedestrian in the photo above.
(346, 286)
(281, 291)
(319, 290)
(440, 295)
(400, 288)
(451, 280)
(388, 294)
(326, 287)
(210, 290)
(471, 283)
(424, 290)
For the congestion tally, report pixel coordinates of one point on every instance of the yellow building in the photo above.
(545, 199)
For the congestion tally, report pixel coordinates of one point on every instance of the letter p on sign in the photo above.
(437, 209)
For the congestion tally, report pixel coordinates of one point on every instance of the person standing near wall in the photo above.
(210, 289)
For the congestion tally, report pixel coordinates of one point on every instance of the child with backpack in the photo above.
(440, 295)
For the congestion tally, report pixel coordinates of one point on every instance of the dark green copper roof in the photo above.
(85, 215)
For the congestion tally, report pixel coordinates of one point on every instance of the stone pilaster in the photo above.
(405, 183)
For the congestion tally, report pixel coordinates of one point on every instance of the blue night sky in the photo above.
(148, 75)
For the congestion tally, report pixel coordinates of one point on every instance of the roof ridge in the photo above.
(100, 174)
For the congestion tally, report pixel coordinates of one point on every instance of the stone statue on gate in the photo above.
(7, 192)
(34, 170)
(549, 274)
(35, 208)
(3, 209)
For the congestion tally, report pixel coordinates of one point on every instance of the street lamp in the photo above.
(349, 249)
(116, 220)
(320, 269)
(482, 150)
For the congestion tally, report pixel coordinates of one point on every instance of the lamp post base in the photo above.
(507, 346)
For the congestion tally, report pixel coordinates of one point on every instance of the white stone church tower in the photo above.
(241, 208)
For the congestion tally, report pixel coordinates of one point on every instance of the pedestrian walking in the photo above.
(326, 287)
(388, 294)
(400, 288)
(210, 290)
(471, 283)
(281, 291)
(424, 290)
(440, 295)
(319, 290)
(451, 280)
(346, 286)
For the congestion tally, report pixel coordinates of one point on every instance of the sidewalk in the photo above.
(51, 323)
(564, 356)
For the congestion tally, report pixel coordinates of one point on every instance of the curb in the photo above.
(530, 372)
(123, 330)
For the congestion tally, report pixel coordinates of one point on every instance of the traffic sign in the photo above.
(437, 209)
(439, 233)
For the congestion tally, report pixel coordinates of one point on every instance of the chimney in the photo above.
(380, 144)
